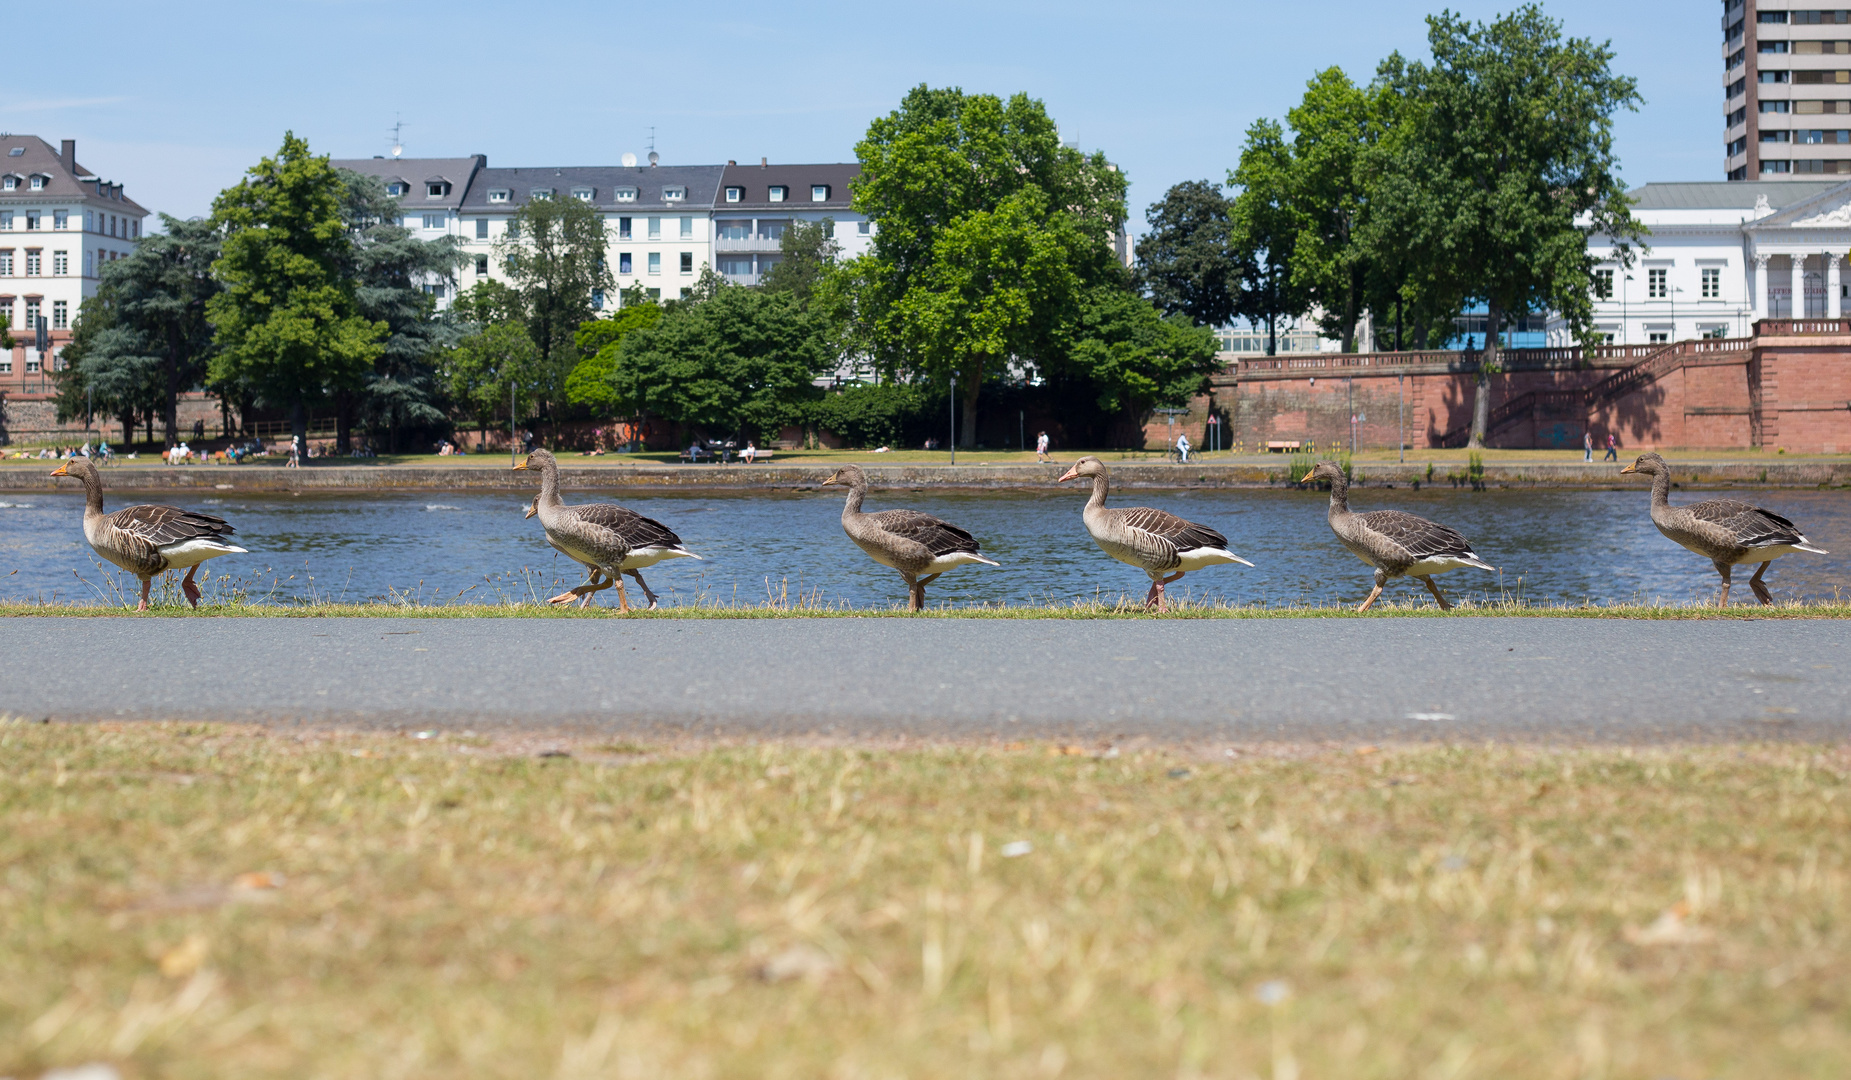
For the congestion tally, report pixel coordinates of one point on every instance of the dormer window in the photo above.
(396, 187)
(734, 194)
(10, 183)
(436, 189)
(626, 194)
(584, 194)
(38, 183)
(819, 192)
(778, 192)
(674, 194)
(498, 195)
(540, 193)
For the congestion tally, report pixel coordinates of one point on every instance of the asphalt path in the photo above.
(1525, 679)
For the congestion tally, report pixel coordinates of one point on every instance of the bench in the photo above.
(760, 455)
(1281, 446)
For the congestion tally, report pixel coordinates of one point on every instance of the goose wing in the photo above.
(938, 537)
(1180, 534)
(1423, 539)
(1750, 526)
(632, 528)
(164, 525)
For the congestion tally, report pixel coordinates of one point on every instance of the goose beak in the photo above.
(522, 465)
(1628, 469)
(829, 481)
(1068, 475)
(63, 470)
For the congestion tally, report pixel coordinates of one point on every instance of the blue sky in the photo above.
(176, 99)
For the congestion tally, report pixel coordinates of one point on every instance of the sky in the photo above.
(176, 99)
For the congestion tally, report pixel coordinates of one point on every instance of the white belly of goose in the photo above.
(193, 552)
(649, 556)
(1197, 558)
(953, 560)
(1439, 565)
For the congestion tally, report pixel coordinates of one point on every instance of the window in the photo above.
(861, 227)
(1603, 284)
(819, 192)
(10, 183)
(674, 194)
(687, 262)
(38, 183)
(6, 219)
(687, 227)
(584, 194)
(1712, 283)
(395, 188)
(1657, 337)
(111, 229)
(1735, 89)
(626, 194)
(1771, 17)
(6, 263)
(32, 318)
(135, 230)
(597, 299)
(735, 265)
(1816, 18)
(735, 230)
(1735, 58)
(434, 290)
(772, 230)
(1766, 107)
(1815, 77)
(1776, 166)
(734, 194)
(1772, 47)
(32, 262)
(624, 266)
(498, 195)
(433, 221)
(1780, 76)
(436, 189)
(1736, 147)
(655, 228)
(481, 228)
(32, 219)
(655, 294)
(1715, 332)
(481, 265)
(1656, 285)
(60, 219)
(61, 263)
(655, 262)
(1776, 136)
(540, 193)
(623, 228)
(778, 191)
(60, 314)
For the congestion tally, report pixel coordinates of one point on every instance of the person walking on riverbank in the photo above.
(1613, 449)
(1587, 446)
(1041, 448)
(295, 453)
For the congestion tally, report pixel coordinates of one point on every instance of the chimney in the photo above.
(764, 162)
(68, 155)
(730, 161)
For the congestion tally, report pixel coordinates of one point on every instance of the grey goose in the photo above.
(1726, 532)
(608, 540)
(149, 540)
(1161, 544)
(918, 545)
(1396, 543)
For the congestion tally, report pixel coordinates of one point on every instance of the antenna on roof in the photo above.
(653, 156)
(398, 144)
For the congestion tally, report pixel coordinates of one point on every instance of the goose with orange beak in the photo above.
(608, 540)
(1724, 531)
(1161, 544)
(1396, 543)
(149, 540)
(918, 545)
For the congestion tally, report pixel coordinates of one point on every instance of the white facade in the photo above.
(60, 224)
(1721, 255)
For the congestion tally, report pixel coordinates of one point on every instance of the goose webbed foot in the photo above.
(650, 595)
(145, 583)
(192, 591)
(1761, 592)
(1435, 590)
(1381, 582)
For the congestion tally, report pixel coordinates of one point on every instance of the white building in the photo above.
(60, 224)
(757, 203)
(430, 193)
(1721, 255)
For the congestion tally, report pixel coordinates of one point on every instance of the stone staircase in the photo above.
(1664, 360)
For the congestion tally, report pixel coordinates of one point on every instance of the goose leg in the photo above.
(915, 593)
(591, 588)
(623, 601)
(1435, 590)
(593, 583)
(192, 591)
(1381, 579)
(639, 580)
(1754, 583)
(1150, 598)
(1723, 569)
(1163, 603)
(145, 582)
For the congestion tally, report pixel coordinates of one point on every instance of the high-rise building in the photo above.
(1786, 90)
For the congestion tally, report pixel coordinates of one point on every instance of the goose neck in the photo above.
(93, 493)
(549, 483)
(1661, 490)
(857, 491)
(1339, 495)
(1100, 483)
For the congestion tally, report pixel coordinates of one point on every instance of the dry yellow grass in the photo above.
(202, 901)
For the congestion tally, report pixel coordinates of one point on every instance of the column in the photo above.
(1833, 308)
(1796, 307)
(1764, 302)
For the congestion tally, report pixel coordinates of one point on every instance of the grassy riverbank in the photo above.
(206, 901)
(1124, 609)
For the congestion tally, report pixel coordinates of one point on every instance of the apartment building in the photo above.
(60, 224)
(430, 192)
(1786, 90)
(758, 203)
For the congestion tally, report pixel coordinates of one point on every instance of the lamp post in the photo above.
(952, 409)
(513, 441)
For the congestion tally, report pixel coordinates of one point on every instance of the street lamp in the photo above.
(952, 409)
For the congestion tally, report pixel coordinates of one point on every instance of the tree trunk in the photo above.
(1487, 363)
(298, 427)
(967, 424)
(128, 429)
(1272, 334)
(343, 425)
(1350, 314)
(170, 408)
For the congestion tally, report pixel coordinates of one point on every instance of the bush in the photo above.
(872, 415)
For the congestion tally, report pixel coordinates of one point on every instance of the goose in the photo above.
(1396, 543)
(149, 540)
(1726, 532)
(607, 539)
(911, 542)
(1154, 541)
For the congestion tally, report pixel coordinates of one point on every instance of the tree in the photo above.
(114, 370)
(742, 361)
(487, 368)
(807, 254)
(1515, 144)
(866, 415)
(989, 230)
(1264, 231)
(391, 268)
(151, 307)
(554, 255)
(1334, 128)
(599, 341)
(1139, 359)
(1186, 262)
(287, 321)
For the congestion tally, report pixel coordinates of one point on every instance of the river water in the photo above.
(434, 547)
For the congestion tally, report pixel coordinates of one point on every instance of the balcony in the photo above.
(746, 245)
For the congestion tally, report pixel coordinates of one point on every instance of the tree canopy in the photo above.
(1187, 262)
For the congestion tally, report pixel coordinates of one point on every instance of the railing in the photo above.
(318, 427)
(1796, 327)
(1571, 355)
(749, 244)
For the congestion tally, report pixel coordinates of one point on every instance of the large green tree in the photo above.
(807, 254)
(1516, 167)
(739, 361)
(393, 273)
(592, 382)
(554, 257)
(1139, 359)
(490, 369)
(150, 339)
(1335, 126)
(1186, 261)
(287, 322)
(1264, 231)
(989, 230)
